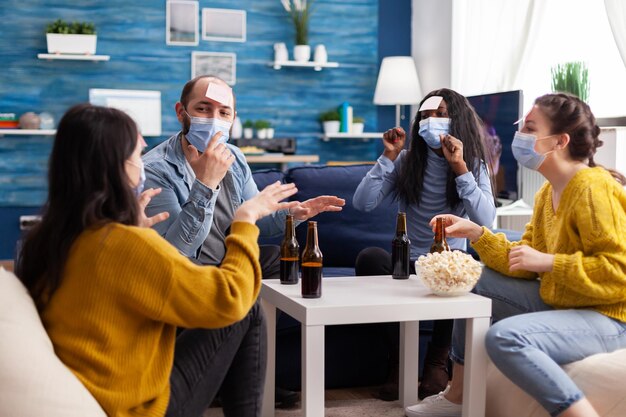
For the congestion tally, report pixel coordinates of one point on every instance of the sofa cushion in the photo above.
(342, 235)
(33, 381)
(265, 177)
(601, 377)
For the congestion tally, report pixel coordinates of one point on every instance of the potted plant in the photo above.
(261, 127)
(358, 123)
(74, 38)
(299, 13)
(248, 132)
(573, 78)
(330, 121)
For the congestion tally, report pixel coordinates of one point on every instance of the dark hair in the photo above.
(466, 126)
(87, 186)
(569, 114)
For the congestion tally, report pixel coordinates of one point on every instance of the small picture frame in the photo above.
(181, 23)
(225, 25)
(220, 64)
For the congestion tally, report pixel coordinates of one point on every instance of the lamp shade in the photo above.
(397, 82)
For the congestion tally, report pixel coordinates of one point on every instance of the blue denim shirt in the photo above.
(189, 202)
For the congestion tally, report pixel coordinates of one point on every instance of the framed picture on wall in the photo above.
(224, 25)
(220, 64)
(181, 22)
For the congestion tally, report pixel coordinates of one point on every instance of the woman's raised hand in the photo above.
(393, 140)
(266, 202)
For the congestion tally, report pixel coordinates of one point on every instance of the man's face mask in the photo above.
(524, 152)
(138, 189)
(431, 128)
(202, 129)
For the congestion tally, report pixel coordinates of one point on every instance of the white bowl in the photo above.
(449, 274)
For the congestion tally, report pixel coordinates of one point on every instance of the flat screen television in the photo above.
(499, 112)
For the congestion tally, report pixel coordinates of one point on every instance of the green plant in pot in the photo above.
(299, 13)
(262, 127)
(571, 77)
(71, 38)
(330, 121)
(358, 123)
(248, 129)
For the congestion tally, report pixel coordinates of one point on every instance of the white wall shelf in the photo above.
(317, 66)
(28, 132)
(74, 57)
(366, 136)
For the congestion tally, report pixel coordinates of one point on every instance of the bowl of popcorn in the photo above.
(449, 273)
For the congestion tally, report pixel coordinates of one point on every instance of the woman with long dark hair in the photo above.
(443, 171)
(111, 294)
(559, 294)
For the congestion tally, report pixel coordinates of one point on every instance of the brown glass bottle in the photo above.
(439, 243)
(312, 265)
(400, 250)
(289, 254)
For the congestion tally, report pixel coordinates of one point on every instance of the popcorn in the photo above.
(449, 272)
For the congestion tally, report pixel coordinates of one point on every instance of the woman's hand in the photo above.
(314, 206)
(266, 202)
(393, 140)
(453, 151)
(525, 258)
(459, 227)
(144, 199)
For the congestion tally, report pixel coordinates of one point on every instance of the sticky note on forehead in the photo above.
(221, 93)
(431, 103)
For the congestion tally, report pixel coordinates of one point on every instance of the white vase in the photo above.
(302, 53)
(357, 128)
(71, 44)
(331, 127)
(320, 56)
(270, 133)
(248, 133)
(280, 52)
(261, 133)
(237, 129)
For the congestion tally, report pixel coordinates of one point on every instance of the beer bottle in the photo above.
(311, 265)
(289, 254)
(400, 250)
(439, 243)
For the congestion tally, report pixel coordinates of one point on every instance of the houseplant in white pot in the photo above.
(248, 129)
(261, 127)
(76, 38)
(299, 13)
(358, 124)
(330, 122)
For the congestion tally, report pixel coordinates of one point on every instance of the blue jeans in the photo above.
(529, 340)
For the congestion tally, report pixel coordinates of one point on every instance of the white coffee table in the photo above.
(373, 299)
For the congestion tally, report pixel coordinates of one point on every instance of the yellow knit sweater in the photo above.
(587, 235)
(124, 291)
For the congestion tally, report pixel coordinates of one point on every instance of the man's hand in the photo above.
(525, 258)
(393, 140)
(211, 166)
(266, 202)
(453, 151)
(144, 199)
(314, 206)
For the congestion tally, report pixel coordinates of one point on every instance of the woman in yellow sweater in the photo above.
(112, 293)
(559, 294)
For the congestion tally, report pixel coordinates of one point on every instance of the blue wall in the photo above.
(133, 34)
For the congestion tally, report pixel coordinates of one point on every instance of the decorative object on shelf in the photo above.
(345, 117)
(220, 64)
(571, 77)
(71, 38)
(9, 121)
(181, 22)
(226, 25)
(46, 120)
(299, 13)
(358, 125)
(280, 52)
(330, 122)
(397, 83)
(30, 120)
(320, 56)
(261, 127)
(237, 129)
(248, 131)
(270, 132)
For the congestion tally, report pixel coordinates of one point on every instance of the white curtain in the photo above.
(616, 12)
(491, 40)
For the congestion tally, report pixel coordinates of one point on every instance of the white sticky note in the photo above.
(431, 103)
(221, 93)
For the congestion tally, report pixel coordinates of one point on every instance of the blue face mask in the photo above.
(202, 129)
(431, 128)
(138, 189)
(524, 152)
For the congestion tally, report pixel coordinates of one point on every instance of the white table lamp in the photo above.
(397, 83)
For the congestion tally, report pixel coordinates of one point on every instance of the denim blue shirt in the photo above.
(477, 201)
(189, 202)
